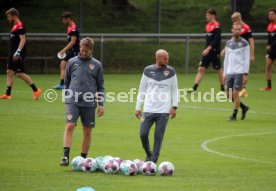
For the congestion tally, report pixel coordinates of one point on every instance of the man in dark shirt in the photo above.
(84, 88)
(72, 47)
(271, 47)
(211, 53)
(17, 54)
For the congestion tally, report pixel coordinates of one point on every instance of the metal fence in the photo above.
(186, 39)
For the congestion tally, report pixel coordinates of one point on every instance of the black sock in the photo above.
(235, 113)
(8, 90)
(62, 82)
(242, 106)
(34, 87)
(66, 151)
(269, 83)
(83, 155)
(222, 88)
(195, 86)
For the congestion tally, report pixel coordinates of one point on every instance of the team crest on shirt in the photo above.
(240, 44)
(166, 73)
(91, 66)
(69, 116)
(142, 119)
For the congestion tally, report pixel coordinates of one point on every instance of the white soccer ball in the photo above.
(166, 169)
(76, 163)
(139, 163)
(89, 164)
(111, 166)
(128, 168)
(149, 168)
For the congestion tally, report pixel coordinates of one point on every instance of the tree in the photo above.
(242, 6)
(122, 5)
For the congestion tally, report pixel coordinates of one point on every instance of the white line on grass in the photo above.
(224, 109)
(204, 146)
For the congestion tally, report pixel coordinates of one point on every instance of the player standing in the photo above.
(246, 33)
(84, 74)
(271, 47)
(158, 87)
(211, 53)
(17, 55)
(236, 67)
(71, 49)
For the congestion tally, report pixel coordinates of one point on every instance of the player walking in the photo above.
(246, 33)
(211, 53)
(17, 55)
(71, 49)
(158, 88)
(84, 74)
(271, 47)
(236, 67)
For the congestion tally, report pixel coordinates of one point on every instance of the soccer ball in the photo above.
(139, 163)
(128, 168)
(99, 162)
(119, 160)
(111, 167)
(166, 169)
(89, 164)
(76, 163)
(149, 168)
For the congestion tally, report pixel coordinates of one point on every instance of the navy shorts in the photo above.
(18, 66)
(70, 54)
(234, 82)
(214, 58)
(87, 115)
(271, 54)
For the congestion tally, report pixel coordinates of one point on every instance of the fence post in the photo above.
(187, 50)
(102, 49)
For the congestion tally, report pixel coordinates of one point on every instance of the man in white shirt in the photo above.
(236, 67)
(159, 91)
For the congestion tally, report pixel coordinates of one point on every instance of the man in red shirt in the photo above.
(246, 33)
(17, 55)
(211, 53)
(271, 47)
(71, 49)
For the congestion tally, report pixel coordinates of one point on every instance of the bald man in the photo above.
(159, 92)
(246, 33)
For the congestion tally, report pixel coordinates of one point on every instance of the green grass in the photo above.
(31, 142)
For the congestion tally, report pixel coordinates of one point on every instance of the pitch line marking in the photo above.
(224, 109)
(204, 146)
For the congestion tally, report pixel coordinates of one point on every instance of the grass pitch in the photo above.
(241, 157)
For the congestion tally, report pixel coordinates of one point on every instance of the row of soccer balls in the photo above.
(113, 165)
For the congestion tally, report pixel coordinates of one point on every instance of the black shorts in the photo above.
(234, 82)
(212, 57)
(87, 115)
(18, 66)
(70, 54)
(271, 54)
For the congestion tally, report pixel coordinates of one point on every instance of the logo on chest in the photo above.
(166, 73)
(91, 66)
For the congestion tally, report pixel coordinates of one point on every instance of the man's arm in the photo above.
(69, 45)
(225, 62)
(215, 42)
(67, 76)
(100, 87)
(252, 49)
(246, 59)
(174, 97)
(141, 95)
(20, 47)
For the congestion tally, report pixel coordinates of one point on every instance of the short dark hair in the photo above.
(272, 10)
(12, 12)
(66, 15)
(87, 42)
(212, 12)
